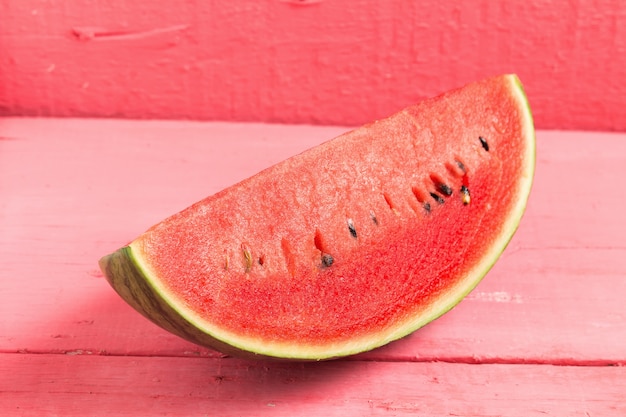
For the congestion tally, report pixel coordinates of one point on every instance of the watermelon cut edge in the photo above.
(131, 275)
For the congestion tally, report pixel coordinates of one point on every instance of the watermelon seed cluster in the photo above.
(442, 189)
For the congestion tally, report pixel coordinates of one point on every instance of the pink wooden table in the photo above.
(543, 334)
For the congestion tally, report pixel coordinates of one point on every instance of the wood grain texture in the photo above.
(72, 190)
(323, 61)
(123, 386)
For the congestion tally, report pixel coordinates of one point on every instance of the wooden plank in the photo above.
(308, 61)
(79, 385)
(73, 190)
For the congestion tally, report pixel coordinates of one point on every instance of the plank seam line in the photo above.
(459, 360)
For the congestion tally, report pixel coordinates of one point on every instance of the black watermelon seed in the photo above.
(427, 207)
(352, 228)
(327, 260)
(484, 143)
(373, 217)
(444, 189)
(460, 164)
(437, 198)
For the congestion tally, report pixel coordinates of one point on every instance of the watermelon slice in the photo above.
(349, 245)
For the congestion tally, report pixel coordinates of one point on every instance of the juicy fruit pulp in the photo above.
(349, 245)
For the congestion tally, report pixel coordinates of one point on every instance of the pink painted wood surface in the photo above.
(72, 190)
(81, 385)
(315, 61)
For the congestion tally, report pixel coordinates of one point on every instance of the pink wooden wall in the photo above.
(307, 61)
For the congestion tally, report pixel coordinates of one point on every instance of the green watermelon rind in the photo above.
(134, 285)
(132, 279)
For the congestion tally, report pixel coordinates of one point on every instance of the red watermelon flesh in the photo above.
(349, 245)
